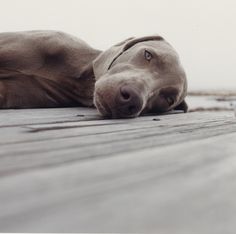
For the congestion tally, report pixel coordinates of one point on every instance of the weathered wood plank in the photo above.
(180, 188)
(104, 141)
(18, 117)
(49, 131)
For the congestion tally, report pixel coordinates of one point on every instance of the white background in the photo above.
(203, 31)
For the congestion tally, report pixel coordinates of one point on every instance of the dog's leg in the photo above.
(22, 91)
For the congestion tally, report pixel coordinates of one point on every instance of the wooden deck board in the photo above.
(68, 170)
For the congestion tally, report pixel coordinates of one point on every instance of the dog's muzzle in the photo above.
(128, 102)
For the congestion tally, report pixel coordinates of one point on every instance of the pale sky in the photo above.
(203, 32)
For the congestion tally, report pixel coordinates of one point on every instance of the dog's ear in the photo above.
(104, 61)
(182, 106)
(141, 39)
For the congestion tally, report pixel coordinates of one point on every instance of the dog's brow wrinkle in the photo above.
(170, 91)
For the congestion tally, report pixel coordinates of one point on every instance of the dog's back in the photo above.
(44, 69)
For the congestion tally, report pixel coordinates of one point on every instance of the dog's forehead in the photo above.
(160, 47)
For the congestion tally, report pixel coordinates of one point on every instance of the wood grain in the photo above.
(68, 170)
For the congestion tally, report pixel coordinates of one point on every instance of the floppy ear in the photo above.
(182, 106)
(103, 62)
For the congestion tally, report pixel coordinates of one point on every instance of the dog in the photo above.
(54, 69)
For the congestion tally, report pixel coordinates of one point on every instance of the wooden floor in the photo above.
(67, 170)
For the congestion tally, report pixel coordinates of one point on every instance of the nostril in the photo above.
(128, 101)
(125, 94)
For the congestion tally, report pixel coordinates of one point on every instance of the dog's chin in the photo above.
(107, 112)
(102, 108)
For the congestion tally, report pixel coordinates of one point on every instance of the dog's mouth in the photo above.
(102, 106)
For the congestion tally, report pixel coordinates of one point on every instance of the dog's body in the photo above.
(45, 69)
(54, 69)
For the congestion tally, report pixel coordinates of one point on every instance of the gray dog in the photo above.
(54, 69)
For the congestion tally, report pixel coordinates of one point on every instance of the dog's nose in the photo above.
(128, 101)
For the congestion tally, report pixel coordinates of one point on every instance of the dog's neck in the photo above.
(84, 85)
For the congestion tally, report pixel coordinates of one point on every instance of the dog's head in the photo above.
(139, 75)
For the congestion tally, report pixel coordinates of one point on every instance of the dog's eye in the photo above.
(170, 100)
(148, 56)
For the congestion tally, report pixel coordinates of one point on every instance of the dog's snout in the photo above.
(128, 101)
